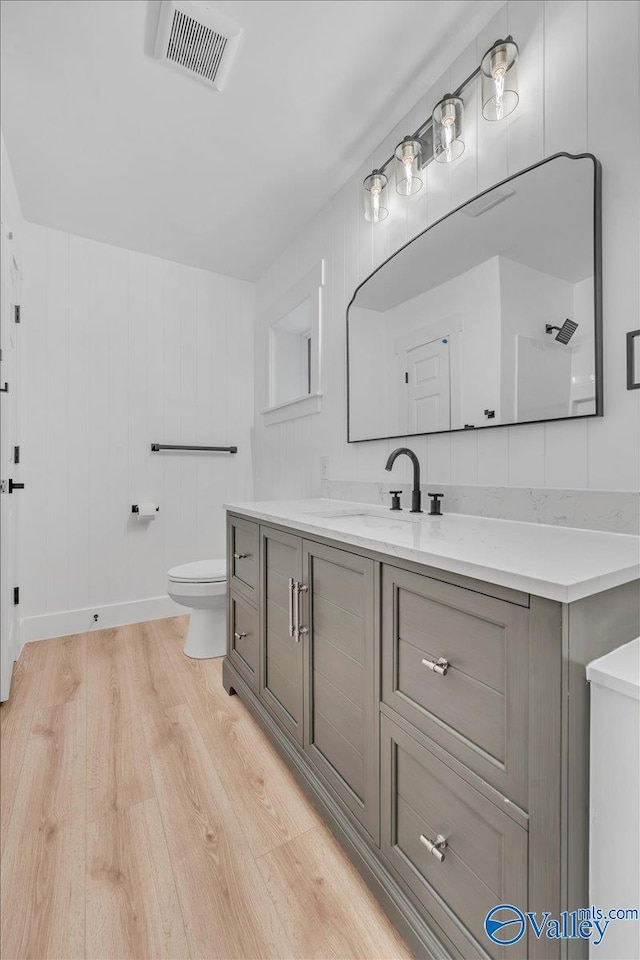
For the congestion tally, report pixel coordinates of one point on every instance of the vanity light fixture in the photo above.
(408, 155)
(448, 144)
(499, 71)
(374, 207)
(440, 137)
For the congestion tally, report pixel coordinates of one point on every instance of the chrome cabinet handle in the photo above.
(440, 666)
(291, 623)
(242, 556)
(296, 611)
(238, 636)
(435, 847)
(302, 631)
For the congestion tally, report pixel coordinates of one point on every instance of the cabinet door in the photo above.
(243, 638)
(242, 556)
(281, 683)
(341, 715)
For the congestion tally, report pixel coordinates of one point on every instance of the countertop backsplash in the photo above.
(612, 510)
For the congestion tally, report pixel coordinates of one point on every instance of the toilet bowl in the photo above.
(202, 586)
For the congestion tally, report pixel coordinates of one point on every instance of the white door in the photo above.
(9, 330)
(428, 387)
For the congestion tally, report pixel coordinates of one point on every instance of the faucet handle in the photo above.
(435, 510)
(395, 499)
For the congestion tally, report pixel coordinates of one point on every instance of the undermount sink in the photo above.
(379, 515)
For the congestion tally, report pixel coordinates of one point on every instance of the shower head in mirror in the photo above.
(565, 332)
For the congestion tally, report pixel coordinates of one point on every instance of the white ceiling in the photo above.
(108, 143)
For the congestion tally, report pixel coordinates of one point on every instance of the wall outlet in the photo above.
(324, 468)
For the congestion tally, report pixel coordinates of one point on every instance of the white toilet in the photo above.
(202, 586)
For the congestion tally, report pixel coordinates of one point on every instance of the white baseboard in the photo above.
(82, 621)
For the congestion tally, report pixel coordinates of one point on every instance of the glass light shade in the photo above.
(499, 70)
(448, 144)
(408, 179)
(375, 209)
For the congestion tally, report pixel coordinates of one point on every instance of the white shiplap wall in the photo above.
(123, 349)
(579, 91)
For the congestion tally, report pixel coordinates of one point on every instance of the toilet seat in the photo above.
(200, 571)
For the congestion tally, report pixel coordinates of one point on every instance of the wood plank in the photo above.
(16, 715)
(43, 865)
(118, 771)
(156, 685)
(322, 899)
(132, 902)
(340, 627)
(64, 661)
(221, 893)
(267, 801)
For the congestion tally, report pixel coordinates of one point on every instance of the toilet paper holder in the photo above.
(135, 508)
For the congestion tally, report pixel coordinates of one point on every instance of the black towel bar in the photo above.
(179, 446)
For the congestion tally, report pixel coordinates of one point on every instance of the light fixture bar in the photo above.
(424, 133)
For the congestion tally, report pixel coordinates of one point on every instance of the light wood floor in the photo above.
(144, 814)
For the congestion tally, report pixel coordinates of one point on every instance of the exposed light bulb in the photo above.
(407, 156)
(499, 80)
(374, 209)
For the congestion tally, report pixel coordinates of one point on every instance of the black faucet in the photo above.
(416, 496)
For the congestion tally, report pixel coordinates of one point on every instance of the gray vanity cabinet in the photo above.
(439, 723)
(340, 733)
(281, 682)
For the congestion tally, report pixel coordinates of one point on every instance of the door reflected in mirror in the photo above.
(489, 317)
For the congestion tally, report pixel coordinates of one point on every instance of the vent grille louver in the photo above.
(195, 47)
(195, 38)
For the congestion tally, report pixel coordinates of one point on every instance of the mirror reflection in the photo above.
(486, 318)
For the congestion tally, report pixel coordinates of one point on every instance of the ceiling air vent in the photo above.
(196, 39)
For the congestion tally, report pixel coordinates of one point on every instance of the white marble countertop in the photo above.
(560, 563)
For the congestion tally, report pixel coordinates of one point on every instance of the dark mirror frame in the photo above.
(597, 306)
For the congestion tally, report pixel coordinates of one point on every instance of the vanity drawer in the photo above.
(243, 558)
(485, 858)
(455, 665)
(243, 638)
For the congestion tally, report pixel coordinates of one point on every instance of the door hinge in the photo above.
(16, 596)
(16, 313)
(16, 454)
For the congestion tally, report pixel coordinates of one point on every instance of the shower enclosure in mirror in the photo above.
(492, 316)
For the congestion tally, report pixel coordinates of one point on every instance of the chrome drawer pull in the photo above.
(239, 636)
(242, 556)
(291, 624)
(296, 611)
(441, 665)
(435, 847)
